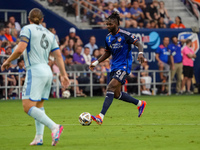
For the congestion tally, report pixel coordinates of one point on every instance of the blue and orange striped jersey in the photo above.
(119, 45)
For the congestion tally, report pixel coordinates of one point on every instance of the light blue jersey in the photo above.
(39, 75)
(40, 43)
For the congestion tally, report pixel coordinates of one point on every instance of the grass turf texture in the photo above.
(168, 122)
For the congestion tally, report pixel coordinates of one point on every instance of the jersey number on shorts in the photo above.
(43, 42)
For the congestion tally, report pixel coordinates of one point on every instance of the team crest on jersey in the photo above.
(193, 37)
(119, 39)
(109, 39)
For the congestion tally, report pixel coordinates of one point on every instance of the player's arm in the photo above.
(140, 48)
(18, 51)
(102, 58)
(64, 77)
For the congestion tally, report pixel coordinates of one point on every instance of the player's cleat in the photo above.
(37, 142)
(56, 135)
(141, 108)
(97, 119)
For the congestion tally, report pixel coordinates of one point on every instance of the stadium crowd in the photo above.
(133, 13)
(78, 55)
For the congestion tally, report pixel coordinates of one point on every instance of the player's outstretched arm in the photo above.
(64, 77)
(18, 51)
(140, 55)
(102, 58)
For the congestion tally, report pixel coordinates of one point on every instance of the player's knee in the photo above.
(117, 95)
(26, 109)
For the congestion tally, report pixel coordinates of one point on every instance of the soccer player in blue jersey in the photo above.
(118, 44)
(36, 43)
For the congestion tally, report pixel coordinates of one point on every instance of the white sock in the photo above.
(40, 116)
(39, 127)
(101, 115)
(139, 103)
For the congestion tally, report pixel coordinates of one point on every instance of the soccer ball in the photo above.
(85, 119)
(66, 94)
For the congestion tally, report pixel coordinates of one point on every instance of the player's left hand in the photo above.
(140, 58)
(65, 82)
(5, 65)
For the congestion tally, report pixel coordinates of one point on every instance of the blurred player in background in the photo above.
(118, 44)
(36, 44)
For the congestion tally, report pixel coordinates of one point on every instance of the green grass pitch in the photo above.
(168, 123)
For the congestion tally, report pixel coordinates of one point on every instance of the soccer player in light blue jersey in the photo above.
(118, 44)
(35, 45)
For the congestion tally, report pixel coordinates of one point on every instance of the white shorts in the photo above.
(147, 81)
(38, 82)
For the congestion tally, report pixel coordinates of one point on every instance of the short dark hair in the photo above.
(19, 60)
(69, 56)
(114, 15)
(188, 41)
(174, 36)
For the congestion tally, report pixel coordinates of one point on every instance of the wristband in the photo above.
(141, 53)
(95, 63)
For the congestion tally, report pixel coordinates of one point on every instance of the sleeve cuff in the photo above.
(55, 49)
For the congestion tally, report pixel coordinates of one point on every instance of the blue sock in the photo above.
(107, 102)
(127, 98)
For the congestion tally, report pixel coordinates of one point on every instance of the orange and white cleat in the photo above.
(141, 108)
(97, 119)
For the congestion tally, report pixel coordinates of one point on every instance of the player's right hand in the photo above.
(93, 65)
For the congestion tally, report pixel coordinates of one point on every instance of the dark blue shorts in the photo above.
(120, 75)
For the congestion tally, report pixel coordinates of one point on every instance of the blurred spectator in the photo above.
(77, 57)
(69, 67)
(133, 78)
(44, 24)
(95, 55)
(148, 2)
(71, 46)
(177, 66)
(153, 24)
(115, 2)
(142, 4)
(72, 35)
(109, 10)
(151, 11)
(162, 12)
(145, 78)
(125, 13)
(178, 23)
(162, 56)
(14, 23)
(148, 25)
(99, 20)
(2, 32)
(53, 30)
(99, 78)
(136, 11)
(161, 23)
(11, 81)
(8, 36)
(101, 51)
(2, 50)
(92, 44)
(188, 66)
(20, 68)
(65, 53)
(75, 6)
(140, 24)
(14, 33)
(87, 56)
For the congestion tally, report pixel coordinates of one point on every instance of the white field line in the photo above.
(153, 124)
